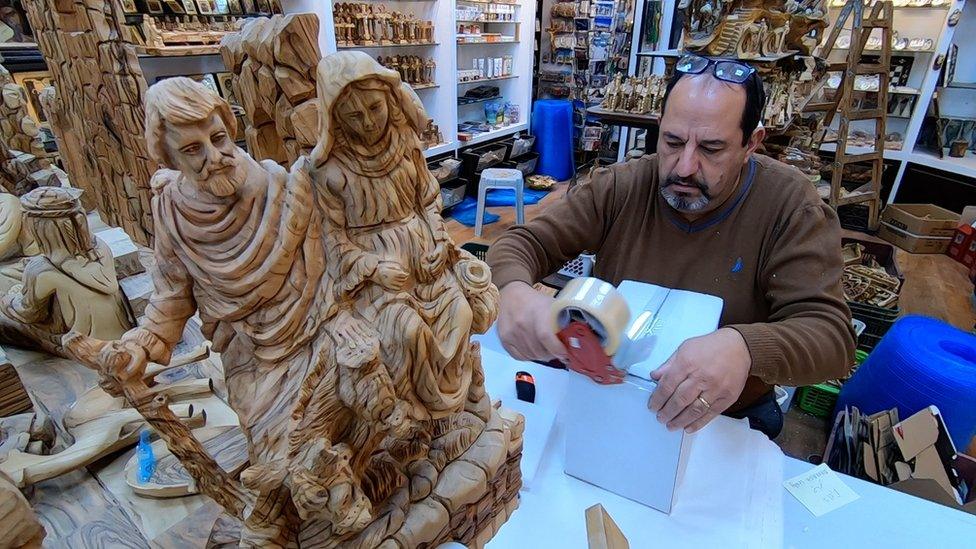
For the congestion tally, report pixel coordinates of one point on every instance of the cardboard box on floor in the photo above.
(921, 219)
(918, 228)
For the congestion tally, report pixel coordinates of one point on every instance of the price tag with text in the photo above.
(820, 490)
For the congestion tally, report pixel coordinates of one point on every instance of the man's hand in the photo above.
(524, 324)
(701, 380)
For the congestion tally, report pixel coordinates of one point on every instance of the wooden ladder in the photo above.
(880, 17)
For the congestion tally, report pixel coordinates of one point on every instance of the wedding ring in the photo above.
(703, 401)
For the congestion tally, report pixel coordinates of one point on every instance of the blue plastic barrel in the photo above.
(920, 362)
(552, 125)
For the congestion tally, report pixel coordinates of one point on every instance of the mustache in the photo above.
(226, 162)
(687, 182)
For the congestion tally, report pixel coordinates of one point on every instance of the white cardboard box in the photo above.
(612, 440)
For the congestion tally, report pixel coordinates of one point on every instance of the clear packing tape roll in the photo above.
(598, 304)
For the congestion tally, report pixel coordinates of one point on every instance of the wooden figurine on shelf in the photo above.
(71, 286)
(352, 373)
(658, 87)
(360, 16)
(611, 96)
(348, 26)
(382, 25)
(370, 23)
(18, 130)
(400, 28)
(751, 41)
(417, 65)
(775, 40)
(431, 135)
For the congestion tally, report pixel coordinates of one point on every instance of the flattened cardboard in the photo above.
(602, 532)
(929, 466)
(925, 443)
(917, 433)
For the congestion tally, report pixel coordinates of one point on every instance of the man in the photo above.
(707, 214)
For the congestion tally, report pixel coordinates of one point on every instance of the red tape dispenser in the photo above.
(589, 317)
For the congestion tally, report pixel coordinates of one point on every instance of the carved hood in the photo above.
(337, 71)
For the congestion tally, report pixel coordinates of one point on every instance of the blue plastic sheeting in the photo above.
(552, 124)
(467, 210)
(920, 362)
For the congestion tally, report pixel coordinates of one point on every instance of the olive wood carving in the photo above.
(352, 371)
(70, 286)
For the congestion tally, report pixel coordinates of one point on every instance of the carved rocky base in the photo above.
(473, 497)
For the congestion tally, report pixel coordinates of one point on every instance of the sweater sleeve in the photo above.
(575, 223)
(808, 338)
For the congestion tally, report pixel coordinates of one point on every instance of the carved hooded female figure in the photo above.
(391, 259)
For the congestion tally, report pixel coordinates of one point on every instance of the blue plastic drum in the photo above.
(920, 362)
(552, 125)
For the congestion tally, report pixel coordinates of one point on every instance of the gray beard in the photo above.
(683, 204)
(223, 184)
(219, 185)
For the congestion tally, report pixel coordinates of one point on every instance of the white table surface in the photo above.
(731, 494)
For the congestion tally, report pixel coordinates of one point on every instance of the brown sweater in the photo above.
(772, 252)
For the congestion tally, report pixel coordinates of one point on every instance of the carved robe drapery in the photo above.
(382, 205)
(252, 264)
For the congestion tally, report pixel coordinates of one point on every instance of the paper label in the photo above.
(820, 490)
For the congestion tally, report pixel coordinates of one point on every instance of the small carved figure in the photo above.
(71, 286)
(18, 130)
(773, 44)
(751, 40)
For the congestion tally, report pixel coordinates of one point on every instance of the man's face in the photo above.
(205, 153)
(699, 148)
(363, 115)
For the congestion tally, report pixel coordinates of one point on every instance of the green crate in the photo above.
(817, 400)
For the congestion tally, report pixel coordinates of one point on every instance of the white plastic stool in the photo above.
(500, 178)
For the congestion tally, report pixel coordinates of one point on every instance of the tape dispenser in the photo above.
(589, 316)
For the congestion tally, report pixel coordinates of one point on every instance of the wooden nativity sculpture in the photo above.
(343, 312)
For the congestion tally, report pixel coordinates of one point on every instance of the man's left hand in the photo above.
(701, 380)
